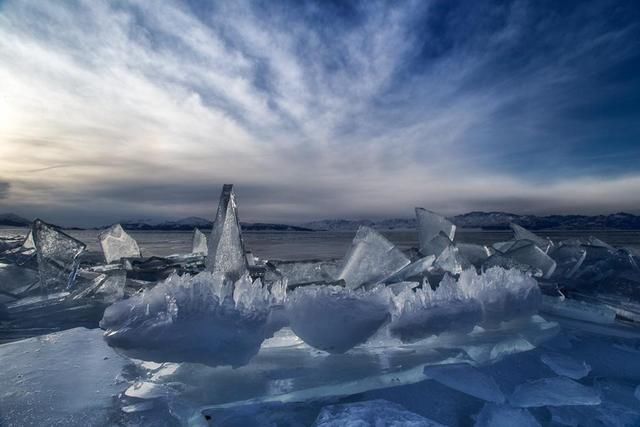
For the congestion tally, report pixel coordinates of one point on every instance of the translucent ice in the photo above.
(475, 254)
(521, 233)
(335, 319)
(57, 256)
(451, 260)
(568, 259)
(117, 244)
(436, 245)
(414, 271)
(371, 413)
(199, 242)
(203, 318)
(301, 272)
(466, 379)
(371, 259)
(430, 224)
(226, 249)
(566, 365)
(493, 415)
(525, 256)
(556, 391)
(578, 310)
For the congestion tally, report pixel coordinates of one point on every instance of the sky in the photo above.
(143, 109)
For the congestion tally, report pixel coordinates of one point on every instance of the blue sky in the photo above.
(140, 109)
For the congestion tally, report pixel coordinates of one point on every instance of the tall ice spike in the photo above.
(226, 250)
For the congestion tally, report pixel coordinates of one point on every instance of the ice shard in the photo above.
(565, 365)
(466, 379)
(521, 233)
(451, 260)
(199, 242)
(475, 254)
(569, 259)
(430, 224)
(436, 245)
(371, 259)
(225, 246)
(117, 244)
(525, 256)
(556, 391)
(57, 255)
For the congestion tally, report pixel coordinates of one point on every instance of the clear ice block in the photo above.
(199, 242)
(430, 224)
(521, 233)
(225, 246)
(117, 244)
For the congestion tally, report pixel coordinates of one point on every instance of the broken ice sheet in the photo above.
(556, 391)
(430, 224)
(371, 259)
(466, 379)
(117, 244)
(525, 256)
(475, 254)
(565, 365)
(57, 256)
(203, 319)
(335, 319)
(493, 415)
(568, 259)
(225, 247)
(521, 233)
(303, 272)
(371, 413)
(451, 260)
(199, 242)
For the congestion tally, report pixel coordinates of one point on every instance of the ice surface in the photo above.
(203, 318)
(225, 246)
(371, 259)
(493, 415)
(566, 366)
(335, 319)
(579, 310)
(117, 244)
(414, 271)
(104, 287)
(371, 413)
(466, 379)
(521, 233)
(57, 256)
(67, 378)
(568, 260)
(199, 242)
(556, 391)
(304, 272)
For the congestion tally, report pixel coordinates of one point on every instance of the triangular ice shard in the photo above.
(371, 259)
(521, 233)
(430, 224)
(199, 242)
(226, 250)
(117, 244)
(57, 256)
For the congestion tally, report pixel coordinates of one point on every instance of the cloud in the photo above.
(4, 189)
(314, 110)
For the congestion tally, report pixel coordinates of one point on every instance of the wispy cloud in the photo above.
(109, 109)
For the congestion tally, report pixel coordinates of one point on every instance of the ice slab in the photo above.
(521, 233)
(68, 378)
(568, 260)
(203, 319)
(494, 415)
(225, 246)
(578, 310)
(436, 245)
(305, 272)
(117, 244)
(430, 224)
(199, 242)
(534, 256)
(371, 259)
(335, 319)
(15, 280)
(566, 366)
(371, 413)
(57, 255)
(475, 254)
(466, 379)
(414, 271)
(556, 391)
(451, 260)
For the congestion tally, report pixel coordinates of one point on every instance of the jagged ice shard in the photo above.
(117, 244)
(430, 224)
(57, 255)
(199, 242)
(521, 233)
(371, 259)
(225, 247)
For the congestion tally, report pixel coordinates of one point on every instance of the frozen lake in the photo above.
(323, 244)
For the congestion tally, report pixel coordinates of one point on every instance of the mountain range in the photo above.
(474, 220)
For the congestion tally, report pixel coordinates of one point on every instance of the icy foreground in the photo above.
(523, 332)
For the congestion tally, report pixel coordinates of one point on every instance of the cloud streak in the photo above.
(109, 110)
